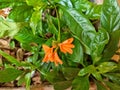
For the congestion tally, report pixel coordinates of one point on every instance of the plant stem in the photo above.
(58, 39)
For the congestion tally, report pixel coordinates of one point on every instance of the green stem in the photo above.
(58, 39)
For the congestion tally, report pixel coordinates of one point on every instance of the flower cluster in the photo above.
(51, 52)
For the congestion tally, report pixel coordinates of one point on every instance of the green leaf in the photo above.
(62, 85)
(87, 70)
(112, 46)
(11, 3)
(26, 46)
(106, 67)
(54, 77)
(9, 74)
(66, 3)
(35, 51)
(37, 4)
(82, 5)
(110, 16)
(112, 86)
(70, 73)
(28, 80)
(9, 28)
(114, 77)
(77, 55)
(51, 26)
(10, 58)
(12, 44)
(100, 85)
(97, 75)
(14, 61)
(94, 12)
(101, 39)
(117, 70)
(12, 0)
(21, 13)
(80, 26)
(45, 69)
(26, 36)
(91, 10)
(21, 80)
(81, 83)
(36, 17)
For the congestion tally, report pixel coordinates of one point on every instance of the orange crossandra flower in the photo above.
(57, 60)
(51, 55)
(66, 46)
(48, 53)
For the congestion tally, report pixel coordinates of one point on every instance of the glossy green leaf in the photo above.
(9, 28)
(77, 55)
(110, 16)
(21, 13)
(97, 76)
(37, 4)
(98, 45)
(80, 83)
(100, 86)
(36, 17)
(94, 12)
(51, 26)
(78, 22)
(114, 77)
(112, 86)
(70, 73)
(66, 3)
(80, 26)
(106, 67)
(11, 3)
(112, 46)
(91, 10)
(82, 5)
(87, 70)
(9, 74)
(26, 36)
(62, 85)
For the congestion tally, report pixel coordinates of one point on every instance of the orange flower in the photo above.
(50, 55)
(66, 46)
(57, 60)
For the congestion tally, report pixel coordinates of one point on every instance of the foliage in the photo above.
(67, 48)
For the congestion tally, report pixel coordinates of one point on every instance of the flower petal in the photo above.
(57, 59)
(66, 46)
(62, 48)
(46, 48)
(48, 54)
(70, 40)
(67, 49)
(45, 59)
